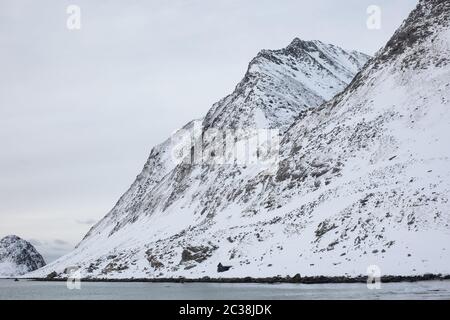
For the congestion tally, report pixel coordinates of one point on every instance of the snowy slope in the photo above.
(280, 83)
(18, 257)
(162, 160)
(362, 180)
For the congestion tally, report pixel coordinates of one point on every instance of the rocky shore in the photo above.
(268, 280)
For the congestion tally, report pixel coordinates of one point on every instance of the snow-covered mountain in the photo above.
(280, 83)
(277, 86)
(18, 257)
(361, 180)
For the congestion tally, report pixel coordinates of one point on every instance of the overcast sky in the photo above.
(80, 110)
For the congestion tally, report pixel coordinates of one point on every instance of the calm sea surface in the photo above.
(32, 290)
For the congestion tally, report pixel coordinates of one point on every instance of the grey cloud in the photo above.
(51, 249)
(35, 242)
(87, 221)
(60, 242)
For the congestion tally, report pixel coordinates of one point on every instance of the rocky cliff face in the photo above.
(18, 257)
(360, 180)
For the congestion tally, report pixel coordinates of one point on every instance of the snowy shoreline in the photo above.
(268, 280)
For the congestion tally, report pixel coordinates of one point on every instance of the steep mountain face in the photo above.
(369, 171)
(162, 160)
(18, 257)
(280, 83)
(360, 180)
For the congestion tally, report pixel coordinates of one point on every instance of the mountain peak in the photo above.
(422, 26)
(11, 237)
(297, 41)
(18, 257)
(304, 45)
(280, 83)
(296, 47)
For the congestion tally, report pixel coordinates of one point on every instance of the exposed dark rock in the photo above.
(323, 228)
(51, 275)
(153, 260)
(222, 268)
(197, 254)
